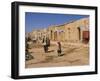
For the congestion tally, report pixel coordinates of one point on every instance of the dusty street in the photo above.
(73, 54)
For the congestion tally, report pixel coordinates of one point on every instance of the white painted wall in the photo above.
(5, 38)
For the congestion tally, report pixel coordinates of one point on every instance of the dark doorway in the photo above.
(85, 36)
(79, 32)
(51, 34)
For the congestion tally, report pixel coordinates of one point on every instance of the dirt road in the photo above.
(73, 54)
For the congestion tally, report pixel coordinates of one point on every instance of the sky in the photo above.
(44, 20)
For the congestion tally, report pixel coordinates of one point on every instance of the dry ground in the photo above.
(72, 54)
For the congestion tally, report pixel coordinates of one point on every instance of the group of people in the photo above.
(46, 44)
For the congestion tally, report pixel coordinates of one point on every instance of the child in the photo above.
(59, 48)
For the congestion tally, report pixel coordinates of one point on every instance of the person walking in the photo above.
(45, 44)
(48, 41)
(59, 48)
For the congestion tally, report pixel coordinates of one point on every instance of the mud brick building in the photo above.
(73, 31)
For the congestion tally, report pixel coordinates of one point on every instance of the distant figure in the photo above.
(59, 48)
(45, 44)
(47, 41)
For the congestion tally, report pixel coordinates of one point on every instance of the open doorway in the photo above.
(85, 36)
